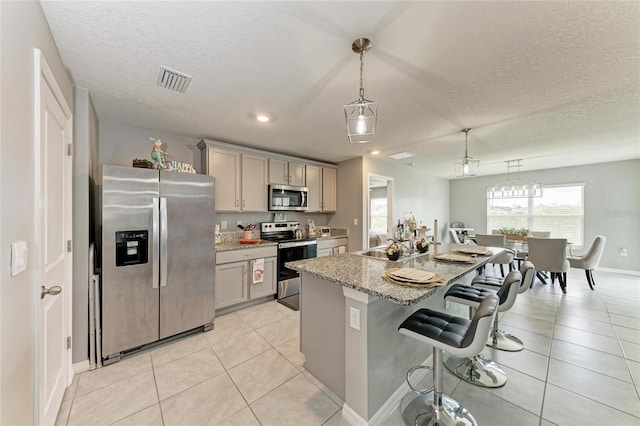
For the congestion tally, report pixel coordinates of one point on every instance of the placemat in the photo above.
(411, 275)
(431, 284)
(451, 257)
(474, 250)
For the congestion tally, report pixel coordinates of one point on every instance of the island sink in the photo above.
(380, 254)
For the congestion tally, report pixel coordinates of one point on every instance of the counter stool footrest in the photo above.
(420, 411)
(476, 370)
(410, 372)
(504, 341)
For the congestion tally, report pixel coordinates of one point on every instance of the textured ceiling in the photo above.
(556, 83)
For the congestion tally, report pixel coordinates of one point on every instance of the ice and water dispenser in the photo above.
(132, 247)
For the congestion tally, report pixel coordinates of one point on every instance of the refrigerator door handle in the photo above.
(155, 249)
(163, 241)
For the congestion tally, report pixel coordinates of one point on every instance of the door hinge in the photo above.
(69, 246)
(69, 342)
(69, 149)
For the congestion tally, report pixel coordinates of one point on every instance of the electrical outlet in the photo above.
(624, 252)
(238, 222)
(355, 222)
(354, 318)
(223, 224)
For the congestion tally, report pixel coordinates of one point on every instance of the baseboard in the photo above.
(81, 367)
(390, 404)
(620, 271)
(352, 417)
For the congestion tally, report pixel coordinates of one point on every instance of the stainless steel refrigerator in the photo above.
(158, 247)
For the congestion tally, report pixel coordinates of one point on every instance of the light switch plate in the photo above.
(354, 318)
(223, 224)
(19, 252)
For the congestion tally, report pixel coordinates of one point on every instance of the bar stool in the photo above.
(445, 333)
(479, 370)
(500, 339)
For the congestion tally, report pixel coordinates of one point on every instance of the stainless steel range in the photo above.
(290, 248)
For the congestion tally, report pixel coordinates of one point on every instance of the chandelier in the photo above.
(467, 166)
(514, 188)
(361, 115)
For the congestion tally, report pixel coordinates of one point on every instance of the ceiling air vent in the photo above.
(173, 80)
(401, 155)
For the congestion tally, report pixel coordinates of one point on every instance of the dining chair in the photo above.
(550, 255)
(590, 260)
(497, 240)
(453, 237)
(541, 234)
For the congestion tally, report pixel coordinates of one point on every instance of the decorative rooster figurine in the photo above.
(157, 154)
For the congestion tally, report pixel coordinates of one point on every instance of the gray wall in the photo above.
(120, 144)
(351, 201)
(611, 205)
(22, 27)
(427, 197)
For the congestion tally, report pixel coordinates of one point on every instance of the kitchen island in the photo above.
(349, 321)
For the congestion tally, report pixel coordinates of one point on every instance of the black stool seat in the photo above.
(439, 326)
(474, 294)
(488, 280)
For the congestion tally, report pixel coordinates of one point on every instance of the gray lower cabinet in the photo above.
(234, 275)
(327, 247)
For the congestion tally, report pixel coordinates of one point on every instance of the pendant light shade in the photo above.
(361, 115)
(467, 166)
(514, 188)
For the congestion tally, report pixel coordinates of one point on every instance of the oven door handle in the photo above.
(297, 244)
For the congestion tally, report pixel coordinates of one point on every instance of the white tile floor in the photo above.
(581, 366)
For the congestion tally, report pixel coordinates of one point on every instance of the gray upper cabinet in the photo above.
(322, 185)
(286, 172)
(224, 165)
(254, 183)
(243, 175)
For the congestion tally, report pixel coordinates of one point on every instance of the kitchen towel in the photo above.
(258, 271)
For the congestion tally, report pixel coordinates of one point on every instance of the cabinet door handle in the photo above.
(237, 203)
(289, 178)
(285, 178)
(243, 203)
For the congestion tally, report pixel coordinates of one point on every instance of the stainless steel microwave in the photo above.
(291, 198)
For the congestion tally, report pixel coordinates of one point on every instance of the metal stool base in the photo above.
(419, 411)
(505, 341)
(477, 370)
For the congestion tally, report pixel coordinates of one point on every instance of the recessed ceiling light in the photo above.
(401, 155)
(375, 152)
(263, 118)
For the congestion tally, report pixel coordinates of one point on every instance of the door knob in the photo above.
(56, 289)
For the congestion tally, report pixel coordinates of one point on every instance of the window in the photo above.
(560, 210)
(379, 215)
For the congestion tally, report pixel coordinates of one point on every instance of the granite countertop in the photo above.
(236, 245)
(365, 274)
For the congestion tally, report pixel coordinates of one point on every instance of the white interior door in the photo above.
(53, 231)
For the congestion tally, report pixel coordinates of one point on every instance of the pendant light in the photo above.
(467, 166)
(361, 115)
(514, 188)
